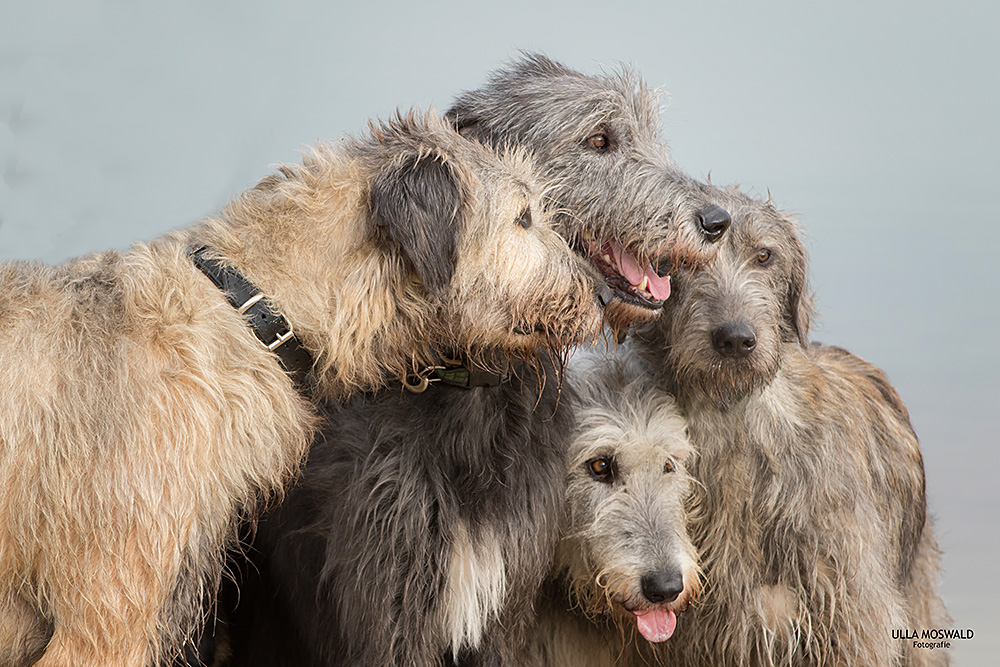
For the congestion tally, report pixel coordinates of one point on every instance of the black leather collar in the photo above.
(270, 327)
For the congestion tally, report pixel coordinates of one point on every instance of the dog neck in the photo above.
(363, 320)
(270, 327)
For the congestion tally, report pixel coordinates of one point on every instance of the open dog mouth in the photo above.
(631, 282)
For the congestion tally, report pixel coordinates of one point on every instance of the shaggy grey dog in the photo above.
(810, 513)
(425, 524)
(598, 139)
(625, 563)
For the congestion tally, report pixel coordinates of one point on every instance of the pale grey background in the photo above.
(875, 121)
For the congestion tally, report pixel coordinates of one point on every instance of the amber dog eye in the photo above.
(763, 256)
(525, 218)
(601, 469)
(669, 466)
(598, 142)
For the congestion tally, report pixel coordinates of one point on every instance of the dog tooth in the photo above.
(644, 285)
(606, 257)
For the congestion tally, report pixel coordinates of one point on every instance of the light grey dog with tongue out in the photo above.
(625, 564)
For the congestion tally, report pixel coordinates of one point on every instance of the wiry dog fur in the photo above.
(142, 419)
(810, 513)
(625, 546)
(418, 535)
(598, 138)
(425, 524)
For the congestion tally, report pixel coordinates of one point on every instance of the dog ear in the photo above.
(799, 309)
(417, 204)
(466, 121)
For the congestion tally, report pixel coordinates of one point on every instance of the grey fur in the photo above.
(418, 204)
(618, 529)
(419, 534)
(630, 191)
(811, 512)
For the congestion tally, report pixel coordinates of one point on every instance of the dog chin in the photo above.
(727, 383)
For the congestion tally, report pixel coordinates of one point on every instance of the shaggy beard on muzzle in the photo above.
(720, 380)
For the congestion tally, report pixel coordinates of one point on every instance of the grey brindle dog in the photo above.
(424, 524)
(598, 138)
(810, 513)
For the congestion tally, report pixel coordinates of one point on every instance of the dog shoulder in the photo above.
(869, 380)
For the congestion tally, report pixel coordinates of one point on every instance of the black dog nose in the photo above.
(734, 339)
(714, 221)
(662, 586)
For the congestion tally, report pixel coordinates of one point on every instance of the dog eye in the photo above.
(763, 256)
(669, 466)
(599, 142)
(601, 469)
(525, 218)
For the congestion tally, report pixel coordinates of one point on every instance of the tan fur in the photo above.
(142, 420)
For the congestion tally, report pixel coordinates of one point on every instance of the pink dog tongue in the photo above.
(656, 625)
(629, 267)
(626, 264)
(658, 287)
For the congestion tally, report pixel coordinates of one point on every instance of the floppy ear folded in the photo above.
(418, 205)
(799, 307)
(466, 122)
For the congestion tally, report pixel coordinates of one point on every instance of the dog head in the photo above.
(625, 545)
(469, 225)
(724, 332)
(620, 200)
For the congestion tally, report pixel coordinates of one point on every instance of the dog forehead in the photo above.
(507, 196)
(502, 185)
(557, 107)
(664, 440)
(643, 451)
(636, 444)
(755, 223)
(627, 118)
(520, 172)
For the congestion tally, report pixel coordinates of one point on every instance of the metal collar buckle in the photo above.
(422, 381)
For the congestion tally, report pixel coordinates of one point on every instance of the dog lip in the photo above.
(630, 296)
(640, 609)
(639, 606)
(662, 266)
